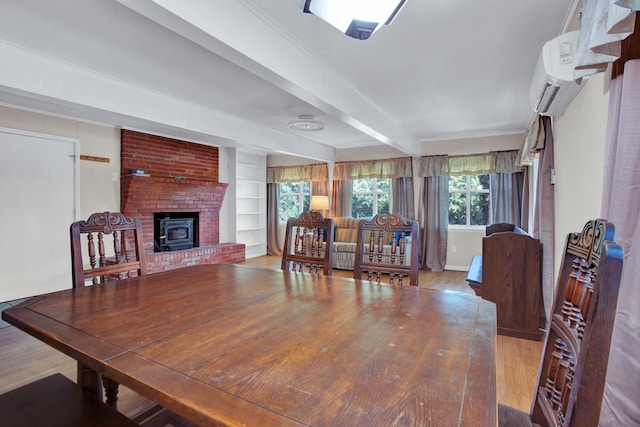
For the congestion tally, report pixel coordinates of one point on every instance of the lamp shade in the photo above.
(319, 203)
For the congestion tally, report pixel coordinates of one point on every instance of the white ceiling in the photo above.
(235, 72)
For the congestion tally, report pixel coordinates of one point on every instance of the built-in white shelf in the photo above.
(251, 203)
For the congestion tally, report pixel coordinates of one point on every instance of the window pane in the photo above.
(364, 185)
(457, 209)
(288, 207)
(306, 203)
(305, 187)
(362, 205)
(383, 184)
(383, 203)
(458, 182)
(479, 182)
(288, 187)
(479, 208)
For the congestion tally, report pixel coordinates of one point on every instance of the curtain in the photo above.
(388, 168)
(507, 189)
(402, 191)
(317, 172)
(603, 25)
(620, 205)
(273, 242)
(341, 192)
(524, 209)
(474, 164)
(402, 188)
(544, 218)
(506, 197)
(434, 212)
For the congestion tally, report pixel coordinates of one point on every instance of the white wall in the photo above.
(227, 174)
(99, 191)
(579, 160)
(460, 147)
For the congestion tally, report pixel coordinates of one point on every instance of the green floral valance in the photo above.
(314, 173)
(390, 168)
(482, 164)
(434, 166)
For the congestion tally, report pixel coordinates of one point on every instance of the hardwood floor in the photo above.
(24, 359)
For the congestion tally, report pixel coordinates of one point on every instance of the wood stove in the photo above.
(174, 231)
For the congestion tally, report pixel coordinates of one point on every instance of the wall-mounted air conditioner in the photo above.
(552, 85)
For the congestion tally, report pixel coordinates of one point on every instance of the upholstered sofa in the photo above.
(344, 243)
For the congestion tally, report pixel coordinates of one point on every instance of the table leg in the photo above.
(90, 381)
(111, 391)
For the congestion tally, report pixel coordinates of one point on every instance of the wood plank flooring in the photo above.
(24, 359)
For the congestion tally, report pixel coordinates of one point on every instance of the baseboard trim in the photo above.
(457, 267)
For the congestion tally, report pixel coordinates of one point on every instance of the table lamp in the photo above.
(320, 203)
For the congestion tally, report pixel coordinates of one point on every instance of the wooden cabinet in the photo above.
(512, 278)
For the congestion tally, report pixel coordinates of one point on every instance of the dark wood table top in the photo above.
(238, 345)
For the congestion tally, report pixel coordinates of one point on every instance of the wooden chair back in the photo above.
(576, 350)
(107, 246)
(387, 244)
(308, 244)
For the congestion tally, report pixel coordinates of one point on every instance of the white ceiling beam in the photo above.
(58, 86)
(270, 53)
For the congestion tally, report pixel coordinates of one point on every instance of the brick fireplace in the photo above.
(179, 176)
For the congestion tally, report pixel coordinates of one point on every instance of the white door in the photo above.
(37, 206)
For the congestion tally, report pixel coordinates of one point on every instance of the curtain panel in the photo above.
(433, 212)
(620, 205)
(533, 142)
(544, 218)
(603, 25)
(273, 241)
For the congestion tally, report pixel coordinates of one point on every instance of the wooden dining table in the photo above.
(244, 346)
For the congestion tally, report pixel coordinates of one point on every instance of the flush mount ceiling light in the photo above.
(356, 18)
(305, 123)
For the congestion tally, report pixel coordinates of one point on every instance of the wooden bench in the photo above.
(56, 401)
(474, 276)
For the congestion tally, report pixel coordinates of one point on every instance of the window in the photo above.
(469, 200)
(370, 196)
(295, 197)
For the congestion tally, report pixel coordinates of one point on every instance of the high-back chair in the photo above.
(308, 244)
(107, 246)
(576, 350)
(387, 244)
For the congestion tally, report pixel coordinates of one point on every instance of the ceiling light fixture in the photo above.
(305, 123)
(356, 18)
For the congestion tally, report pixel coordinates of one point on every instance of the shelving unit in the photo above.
(251, 203)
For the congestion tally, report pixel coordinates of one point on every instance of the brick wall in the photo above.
(183, 177)
(166, 157)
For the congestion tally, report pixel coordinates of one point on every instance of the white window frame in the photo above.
(468, 191)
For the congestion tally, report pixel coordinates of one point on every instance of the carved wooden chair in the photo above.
(308, 244)
(105, 247)
(112, 248)
(387, 244)
(576, 350)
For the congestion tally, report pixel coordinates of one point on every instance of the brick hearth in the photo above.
(183, 177)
